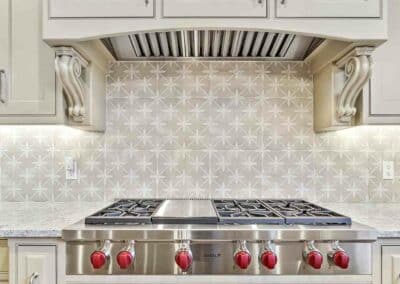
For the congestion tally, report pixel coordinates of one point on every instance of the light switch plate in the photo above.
(388, 170)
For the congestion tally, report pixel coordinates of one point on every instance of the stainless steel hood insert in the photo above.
(212, 44)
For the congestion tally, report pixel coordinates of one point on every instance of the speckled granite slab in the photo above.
(385, 217)
(41, 219)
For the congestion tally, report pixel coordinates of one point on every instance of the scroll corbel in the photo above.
(357, 66)
(70, 69)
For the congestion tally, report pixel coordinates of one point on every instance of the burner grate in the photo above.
(126, 211)
(245, 212)
(305, 213)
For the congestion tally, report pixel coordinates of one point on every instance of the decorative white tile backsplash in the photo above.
(202, 129)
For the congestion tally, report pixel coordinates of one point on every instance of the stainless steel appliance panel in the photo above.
(216, 258)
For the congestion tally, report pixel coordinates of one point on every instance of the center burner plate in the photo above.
(126, 211)
(245, 212)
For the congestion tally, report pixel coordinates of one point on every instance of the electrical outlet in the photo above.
(71, 168)
(388, 170)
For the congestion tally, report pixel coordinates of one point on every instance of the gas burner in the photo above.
(126, 211)
(245, 212)
(302, 212)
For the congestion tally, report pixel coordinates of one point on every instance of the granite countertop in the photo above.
(382, 216)
(47, 219)
(42, 219)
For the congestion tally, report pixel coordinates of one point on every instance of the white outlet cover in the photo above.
(71, 168)
(388, 170)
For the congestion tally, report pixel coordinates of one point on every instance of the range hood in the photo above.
(335, 38)
(212, 44)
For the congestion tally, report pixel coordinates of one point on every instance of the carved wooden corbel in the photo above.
(70, 70)
(357, 66)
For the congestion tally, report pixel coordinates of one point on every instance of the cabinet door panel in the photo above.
(3, 257)
(4, 48)
(101, 8)
(390, 264)
(385, 92)
(32, 80)
(215, 8)
(36, 259)
(328, 8)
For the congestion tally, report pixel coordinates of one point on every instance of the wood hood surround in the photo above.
(341, 64)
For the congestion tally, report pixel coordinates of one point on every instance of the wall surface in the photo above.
(202, 129)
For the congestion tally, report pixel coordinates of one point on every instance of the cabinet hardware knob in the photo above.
(2, 86)
(260, 2)
(146, 2)
(33, 277)
(283, 2)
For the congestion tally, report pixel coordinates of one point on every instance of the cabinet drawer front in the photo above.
(215, 8)
(101, 8)
(328, 8)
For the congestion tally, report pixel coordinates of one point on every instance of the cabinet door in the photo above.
(328, 8)
(4, 49)
(31, 72)
(390, 264)
(3, 262)
(385, 92)
(101, 8)
(215, 8)
(36, 260)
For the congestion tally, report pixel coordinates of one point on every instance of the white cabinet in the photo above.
(328, 8)
(37, 263)
(28, 77)
(3, 262)
(38, 259)
(385, 91)
(390, 265)
(4, 48)
(381, 100)
(101, 8)
(215, 8)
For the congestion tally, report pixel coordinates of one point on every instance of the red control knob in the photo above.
(242, 259)
(98, 259)
(314, 259)
(184, 259)
(125, 259)
(341, 259)
(269, 259)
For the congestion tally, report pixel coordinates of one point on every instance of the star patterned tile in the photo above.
(202, 129)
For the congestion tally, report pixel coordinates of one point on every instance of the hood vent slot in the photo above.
(211, 44)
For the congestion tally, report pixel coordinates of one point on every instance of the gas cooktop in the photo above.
(273, 211)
